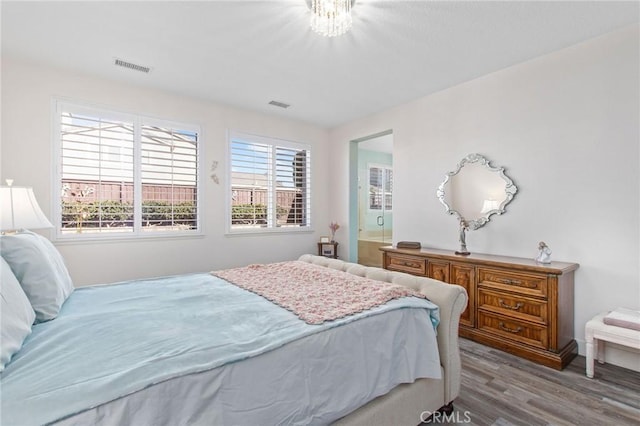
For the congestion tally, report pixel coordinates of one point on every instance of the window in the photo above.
(380, 188)
(124, 175)
(269, 184)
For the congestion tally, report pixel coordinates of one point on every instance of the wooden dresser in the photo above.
(515, 304)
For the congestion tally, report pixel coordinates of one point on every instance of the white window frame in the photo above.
(139, 120)
(271, 227)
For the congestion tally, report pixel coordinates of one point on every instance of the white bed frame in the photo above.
(410, 404)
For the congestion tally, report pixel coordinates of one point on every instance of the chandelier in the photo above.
(331, 18)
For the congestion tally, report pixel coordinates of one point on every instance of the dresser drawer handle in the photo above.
(510, 330)
(411, 264)
(519, 283)
(515, 308)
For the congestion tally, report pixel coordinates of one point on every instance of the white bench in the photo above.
(596, 330)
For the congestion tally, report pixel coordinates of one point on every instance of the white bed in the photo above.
(380, 366)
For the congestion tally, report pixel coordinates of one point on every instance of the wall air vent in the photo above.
(279, 104)
(131, 66)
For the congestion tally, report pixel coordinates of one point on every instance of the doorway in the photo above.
(371, 198)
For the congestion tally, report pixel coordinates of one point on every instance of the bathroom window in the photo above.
(380, 188)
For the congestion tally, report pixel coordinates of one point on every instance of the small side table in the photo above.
(328, 250)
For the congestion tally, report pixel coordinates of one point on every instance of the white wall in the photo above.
(26, 156)
(566, 127)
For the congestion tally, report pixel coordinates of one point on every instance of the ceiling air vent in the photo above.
(131, 66)
(279, 104)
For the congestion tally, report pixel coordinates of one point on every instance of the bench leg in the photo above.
(600, 350)
(590, 348)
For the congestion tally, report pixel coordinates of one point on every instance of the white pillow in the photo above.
(41, 271)
(16, 315)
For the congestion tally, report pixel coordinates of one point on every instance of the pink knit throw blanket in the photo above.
(314, 293)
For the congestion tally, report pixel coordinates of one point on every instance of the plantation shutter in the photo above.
(270, 184)
(375, 188)
(388, 189)
(97, 169)
(292, 187)
(380, 188)
(169, 176)
(121, 173)
(250, 165)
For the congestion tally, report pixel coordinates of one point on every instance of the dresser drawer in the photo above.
(513, 306)
(412, 265)
(513, 329)
(526, 284)
(438, 270)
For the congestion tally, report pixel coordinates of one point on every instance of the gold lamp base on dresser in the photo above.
(515, 304)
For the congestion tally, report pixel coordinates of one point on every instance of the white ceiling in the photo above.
(247, 53)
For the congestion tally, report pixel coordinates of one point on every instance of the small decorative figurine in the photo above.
(463, 238)
(544, 253)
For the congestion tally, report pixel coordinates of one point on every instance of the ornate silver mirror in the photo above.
(474, 192)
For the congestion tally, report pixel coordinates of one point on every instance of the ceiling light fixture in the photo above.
(331, 18)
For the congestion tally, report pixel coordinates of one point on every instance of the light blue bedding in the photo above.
(111, 341)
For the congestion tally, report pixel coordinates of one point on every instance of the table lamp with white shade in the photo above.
(19, 209)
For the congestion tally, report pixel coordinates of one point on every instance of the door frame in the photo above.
(353, 191)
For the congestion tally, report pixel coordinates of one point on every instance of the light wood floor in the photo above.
(501, 389)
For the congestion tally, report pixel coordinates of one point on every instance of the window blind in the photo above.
(269, 184)
(380, 188)
(125, 175)
(97, 174)
(169, 174)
